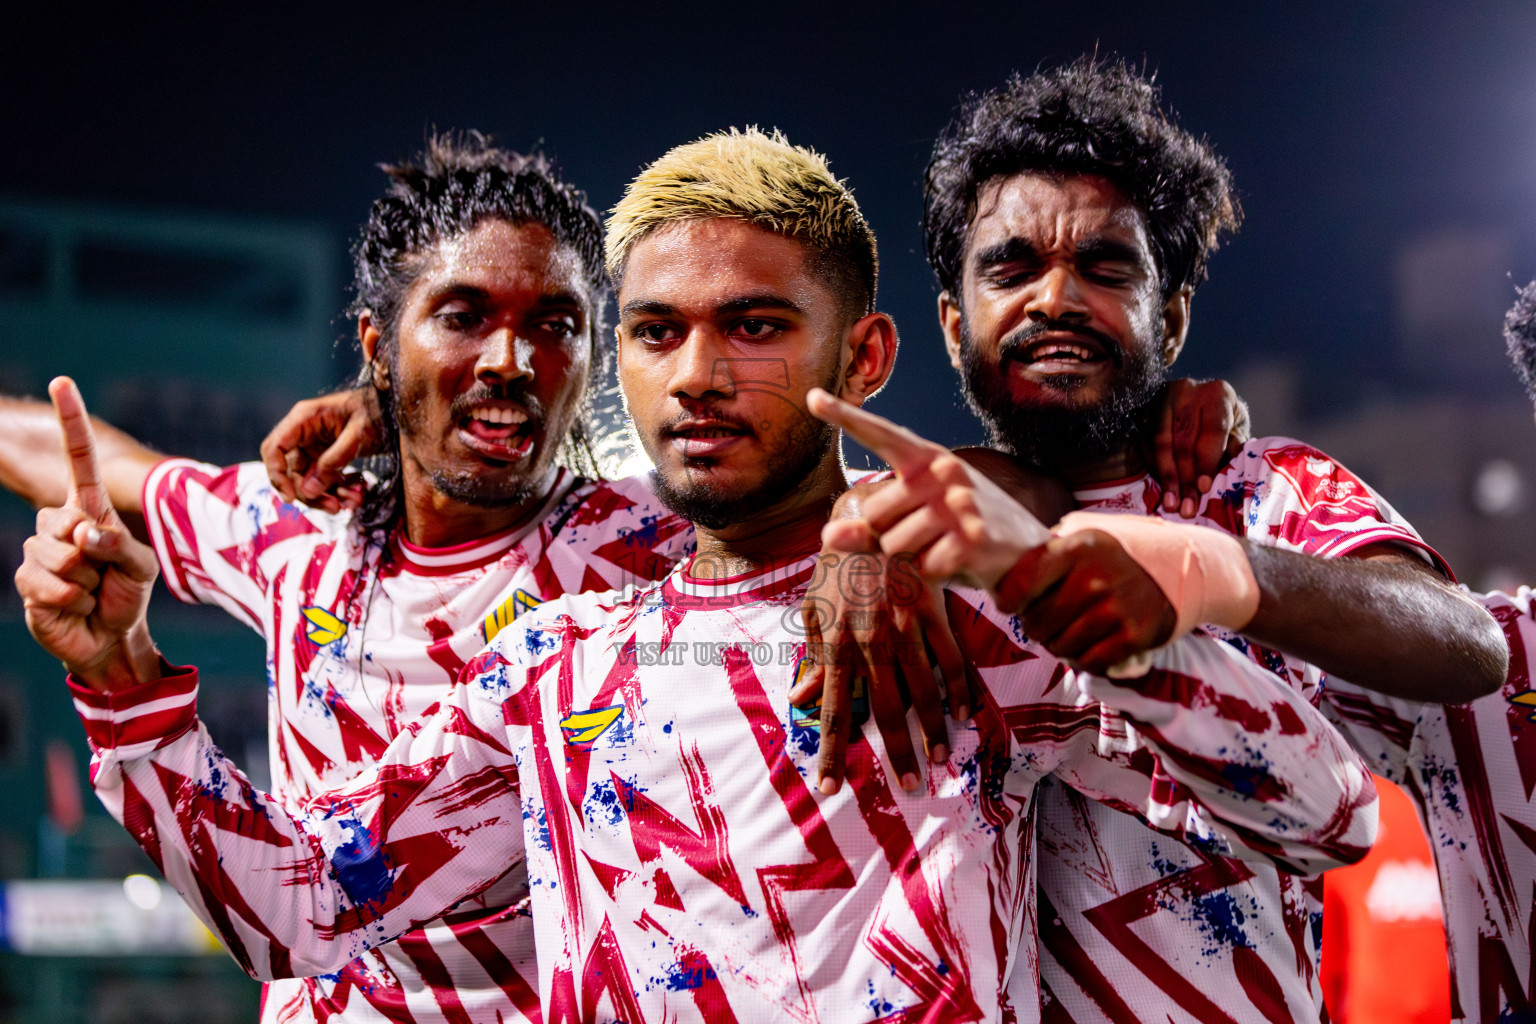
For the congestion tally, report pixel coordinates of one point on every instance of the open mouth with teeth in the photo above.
(1061, 355)
(499, 430)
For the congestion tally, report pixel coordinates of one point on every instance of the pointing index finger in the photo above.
(903, 450)
(86, 489)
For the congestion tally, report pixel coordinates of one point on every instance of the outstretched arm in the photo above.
(1381, 619)
(33, 466)
(1379, 616)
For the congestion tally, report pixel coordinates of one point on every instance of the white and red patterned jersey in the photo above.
(638, 755)
(1138, 927)
(362, 638)
(1471, 769)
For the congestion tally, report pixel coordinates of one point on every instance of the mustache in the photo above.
(1015, 343)
(483, 392)
(709, 413)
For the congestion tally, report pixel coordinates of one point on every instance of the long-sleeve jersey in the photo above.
(1470, 769)
(636, 755)
(1140, 927)
(362, 638)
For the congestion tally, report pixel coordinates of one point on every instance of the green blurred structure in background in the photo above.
(193, 333)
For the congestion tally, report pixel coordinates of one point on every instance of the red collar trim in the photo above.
(771, 581)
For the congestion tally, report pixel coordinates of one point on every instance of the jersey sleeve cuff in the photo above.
(1387, 535)
(139, 719)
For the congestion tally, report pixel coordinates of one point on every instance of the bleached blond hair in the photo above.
(760, 178)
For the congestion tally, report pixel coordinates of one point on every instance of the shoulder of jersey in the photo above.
(599, 605)
(244, 487)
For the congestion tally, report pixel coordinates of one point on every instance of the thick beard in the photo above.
(1058, 438)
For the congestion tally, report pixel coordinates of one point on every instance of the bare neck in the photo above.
(787, 528)
(1116, 466)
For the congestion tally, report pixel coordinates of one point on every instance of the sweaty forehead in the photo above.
(1052, 213)
(496, 254)
(699, 265)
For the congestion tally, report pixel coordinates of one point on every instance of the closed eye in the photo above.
(1012, 273)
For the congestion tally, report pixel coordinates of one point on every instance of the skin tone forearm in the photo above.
(33, 465)
(1383, 620)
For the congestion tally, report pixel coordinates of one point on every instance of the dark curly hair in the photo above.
(1520, 336)
(460, 179)
(1093, 116)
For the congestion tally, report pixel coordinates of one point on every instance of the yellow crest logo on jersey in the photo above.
(1526, 698)
(582, 728)
(324, 628)
(808, 716)
(520, 602)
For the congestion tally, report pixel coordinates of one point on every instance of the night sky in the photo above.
(1348, 130)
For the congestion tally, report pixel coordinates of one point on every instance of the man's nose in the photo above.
(1058, 295)
(505, 357)
(701, 367)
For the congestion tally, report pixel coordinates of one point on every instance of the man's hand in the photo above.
(1203, 424)
(1081, 596)
(1088, 602)
(870, 618)
(309, 450)
(84, 580)
(955, 522)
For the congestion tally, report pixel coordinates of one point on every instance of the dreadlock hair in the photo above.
(1093, 116)
(1520, 336)
(756, 177)
(459, 180)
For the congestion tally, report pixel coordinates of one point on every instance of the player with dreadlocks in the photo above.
(478, 294)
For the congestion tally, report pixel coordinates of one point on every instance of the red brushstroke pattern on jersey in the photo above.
(697, 874)
(413, 619)
(1470, 769)
(1220, 940)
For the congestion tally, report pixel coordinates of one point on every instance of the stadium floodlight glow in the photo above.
(1499, 489)
(142, 891)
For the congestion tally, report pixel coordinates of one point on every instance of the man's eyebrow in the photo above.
(1012, 250)
(554, 300)
(740, 304)
(649, 307)
(462, 290)
(1107, 250)
(765, 300)
(458, 289)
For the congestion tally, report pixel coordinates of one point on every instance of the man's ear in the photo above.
(368, 337)
(871, 355)
(1175, 324)
(952, 322)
